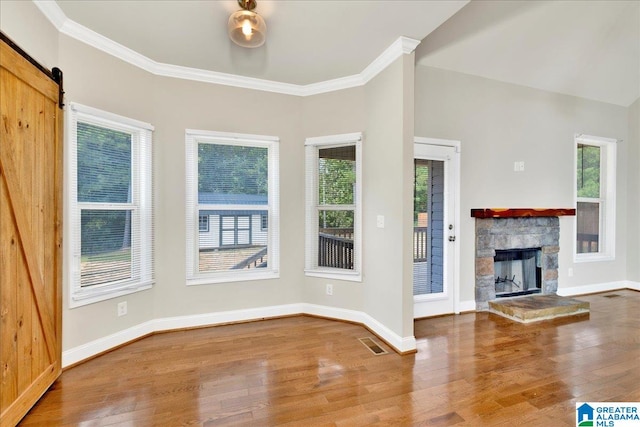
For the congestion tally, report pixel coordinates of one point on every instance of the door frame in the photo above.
(454, 257)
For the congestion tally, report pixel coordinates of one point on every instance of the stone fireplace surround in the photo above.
(502, 229)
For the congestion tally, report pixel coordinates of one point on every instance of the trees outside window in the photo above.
(595, 198)
(110, 198)
(232, 179)
(333, 206)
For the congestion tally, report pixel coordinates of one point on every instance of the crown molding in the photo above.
(70, 28)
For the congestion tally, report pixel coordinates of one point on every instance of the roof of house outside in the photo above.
(232, 199)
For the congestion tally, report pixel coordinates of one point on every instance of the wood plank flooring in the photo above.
(474, 369)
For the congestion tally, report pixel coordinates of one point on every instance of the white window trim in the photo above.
(311, 235)
(608, 158)
(142, 174)
(192, 138)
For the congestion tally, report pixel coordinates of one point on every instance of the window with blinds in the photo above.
(111, 215)
(232, 186)
(333, 206)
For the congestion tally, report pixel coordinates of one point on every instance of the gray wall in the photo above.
(499, 123)
(388, 190)
(383, 110)
(22, 22)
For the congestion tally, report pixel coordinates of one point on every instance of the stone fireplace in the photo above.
(516, 252)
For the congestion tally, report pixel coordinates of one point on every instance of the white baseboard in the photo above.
(401, 344)
(465, 306)
(90, 349)
(594, 288)
(633, 285)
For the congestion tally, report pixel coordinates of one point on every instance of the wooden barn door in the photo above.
(30, 233)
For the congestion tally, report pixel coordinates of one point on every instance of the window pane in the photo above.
(231, 174)
(336, 175)
(104, 165)
(203, 223)
(588, 224)
(105, 246)
(335, 239)
(588, 177)
(420, 192)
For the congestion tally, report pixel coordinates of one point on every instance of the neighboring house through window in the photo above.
(595, 198)
(333, 206)
(232, 181)
(110, 198)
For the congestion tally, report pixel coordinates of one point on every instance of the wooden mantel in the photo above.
(520, 212)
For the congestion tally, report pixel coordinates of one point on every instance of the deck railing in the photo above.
(256, 260)
(335, 247)
(419, 244)
(335, 252)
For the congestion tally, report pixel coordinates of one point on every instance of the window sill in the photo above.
(581, 258)
(217, 278)
(351, 276)
(91, 296)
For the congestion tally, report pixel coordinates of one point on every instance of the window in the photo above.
(203, 223)
(333, 206)
(595, 198)
(232, 179)
(111, 215)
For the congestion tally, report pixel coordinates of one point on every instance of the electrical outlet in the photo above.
(122, 308)
(329, 289)
(570, 272)
(518, 166)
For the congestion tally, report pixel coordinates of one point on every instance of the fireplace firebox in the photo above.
(517, 272)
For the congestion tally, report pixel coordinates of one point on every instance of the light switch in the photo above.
(380, 221)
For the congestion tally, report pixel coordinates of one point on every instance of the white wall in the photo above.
(633, 193)
(499, 123)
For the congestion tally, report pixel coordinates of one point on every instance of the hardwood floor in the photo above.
(470, 370)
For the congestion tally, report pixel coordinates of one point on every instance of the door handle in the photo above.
(452, 238)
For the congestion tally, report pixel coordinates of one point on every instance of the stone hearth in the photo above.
(538, 307)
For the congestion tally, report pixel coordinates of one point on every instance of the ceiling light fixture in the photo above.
(247, 28)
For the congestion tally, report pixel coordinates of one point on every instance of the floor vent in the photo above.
(373, 346)
(611, 296)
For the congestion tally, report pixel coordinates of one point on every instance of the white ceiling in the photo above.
(587, 48)
(584, 48)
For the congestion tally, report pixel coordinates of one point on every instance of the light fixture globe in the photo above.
(246, 28)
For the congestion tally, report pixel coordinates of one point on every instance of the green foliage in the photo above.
(104, 231)
(420, 191)
(588, 171)
(336, 182)
(232, 169)
(104, 164)
(104, 176)
(337, 178)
